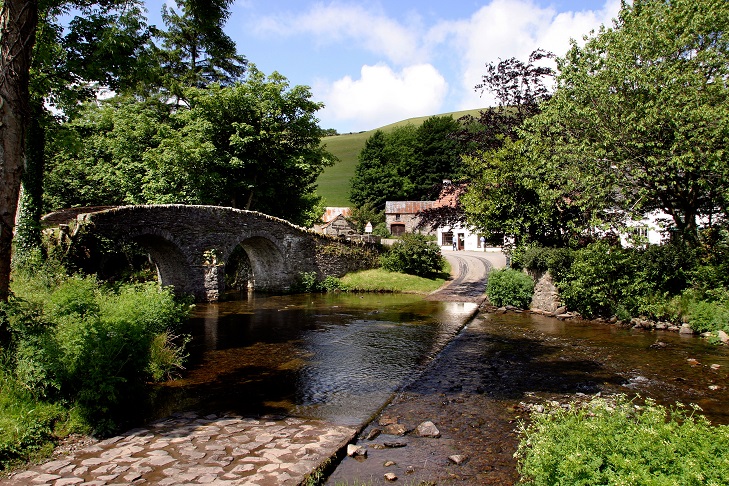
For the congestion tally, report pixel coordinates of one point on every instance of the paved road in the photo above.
(469, 273)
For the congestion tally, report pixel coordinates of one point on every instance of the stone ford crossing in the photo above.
(187, 449)
(191, 245)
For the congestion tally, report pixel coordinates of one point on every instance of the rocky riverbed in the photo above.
(502, 367)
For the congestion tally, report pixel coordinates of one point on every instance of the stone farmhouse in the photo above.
(402, 216)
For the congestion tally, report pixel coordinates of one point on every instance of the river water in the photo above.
(336, 357)
(339, 357)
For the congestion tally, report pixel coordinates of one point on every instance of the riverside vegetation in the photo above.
(80, 355)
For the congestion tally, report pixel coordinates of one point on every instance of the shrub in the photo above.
(510, 287)
(620, 443)
(414, 254)
(603, 279)
(309, 282)
(93, 348)
(706, 316)
(667, 268)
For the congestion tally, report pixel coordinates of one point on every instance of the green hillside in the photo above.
(334, 181)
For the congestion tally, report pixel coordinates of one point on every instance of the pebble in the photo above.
(391, 476)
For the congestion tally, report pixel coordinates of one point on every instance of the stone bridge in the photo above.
(191, 246)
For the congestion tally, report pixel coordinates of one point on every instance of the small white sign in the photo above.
(368, 228)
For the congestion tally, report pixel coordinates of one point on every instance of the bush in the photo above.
(414, 254)
(309, 282)
(602, 280)
(93, 348)
(619, 443)
(706, 316)
(510, 287)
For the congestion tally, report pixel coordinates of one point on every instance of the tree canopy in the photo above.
(406, 162)
(640, 117)
(252, 145)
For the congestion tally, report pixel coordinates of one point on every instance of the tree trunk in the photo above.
(18, 21)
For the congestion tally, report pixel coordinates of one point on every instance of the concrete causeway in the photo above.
(188, 449)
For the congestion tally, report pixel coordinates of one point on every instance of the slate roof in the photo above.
(407, 207)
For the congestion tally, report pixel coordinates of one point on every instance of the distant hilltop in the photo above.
(333, 183)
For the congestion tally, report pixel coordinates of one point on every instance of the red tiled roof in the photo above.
(332, 212)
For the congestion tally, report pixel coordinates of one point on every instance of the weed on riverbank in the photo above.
(619, 442)
(79, 355)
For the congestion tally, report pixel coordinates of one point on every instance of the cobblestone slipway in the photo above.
(188, 449)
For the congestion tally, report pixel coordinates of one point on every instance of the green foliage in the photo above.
(601, 278)
(510, 287)
(334, 182)
(224, 149)
(537, 258)
(380, 280)
(405, 163)
(414, 254)
(95, 348)
(638, 121)
(621, 443)
(704, 316)
(196, 51)
(27, 426)
(310, 282)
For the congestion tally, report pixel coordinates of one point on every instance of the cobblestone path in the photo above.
(188, 449)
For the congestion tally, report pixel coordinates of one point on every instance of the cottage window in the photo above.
(397, 217)
(446, 238)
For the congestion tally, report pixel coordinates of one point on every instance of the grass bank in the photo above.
(379, 280)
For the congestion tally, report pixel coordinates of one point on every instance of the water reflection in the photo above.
(335, 356)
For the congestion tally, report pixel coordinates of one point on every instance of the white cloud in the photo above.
(511, 28)
(434, 68)
(337, 23)
(381, 96)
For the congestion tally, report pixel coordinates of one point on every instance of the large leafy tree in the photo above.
(379, 175)
(641, 114)
(252, 145)
(104, 45)
(406, 162)
(490, 176)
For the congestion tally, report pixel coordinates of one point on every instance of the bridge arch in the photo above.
(267, 264)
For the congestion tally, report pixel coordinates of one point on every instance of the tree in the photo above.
(104, 44)
(510, 195)
(379, 175)
(519, 88)
(254, 145)
(437, 156)
(641, 113)
(406, 162)
(195, 50)
(18, 21)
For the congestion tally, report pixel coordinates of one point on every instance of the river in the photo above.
(336, 357)
(342, 357)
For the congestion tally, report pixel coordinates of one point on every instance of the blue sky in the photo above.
(376, 62)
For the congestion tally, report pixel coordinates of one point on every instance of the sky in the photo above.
(377, 62)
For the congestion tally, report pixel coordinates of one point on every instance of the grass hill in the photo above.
(334, 181)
